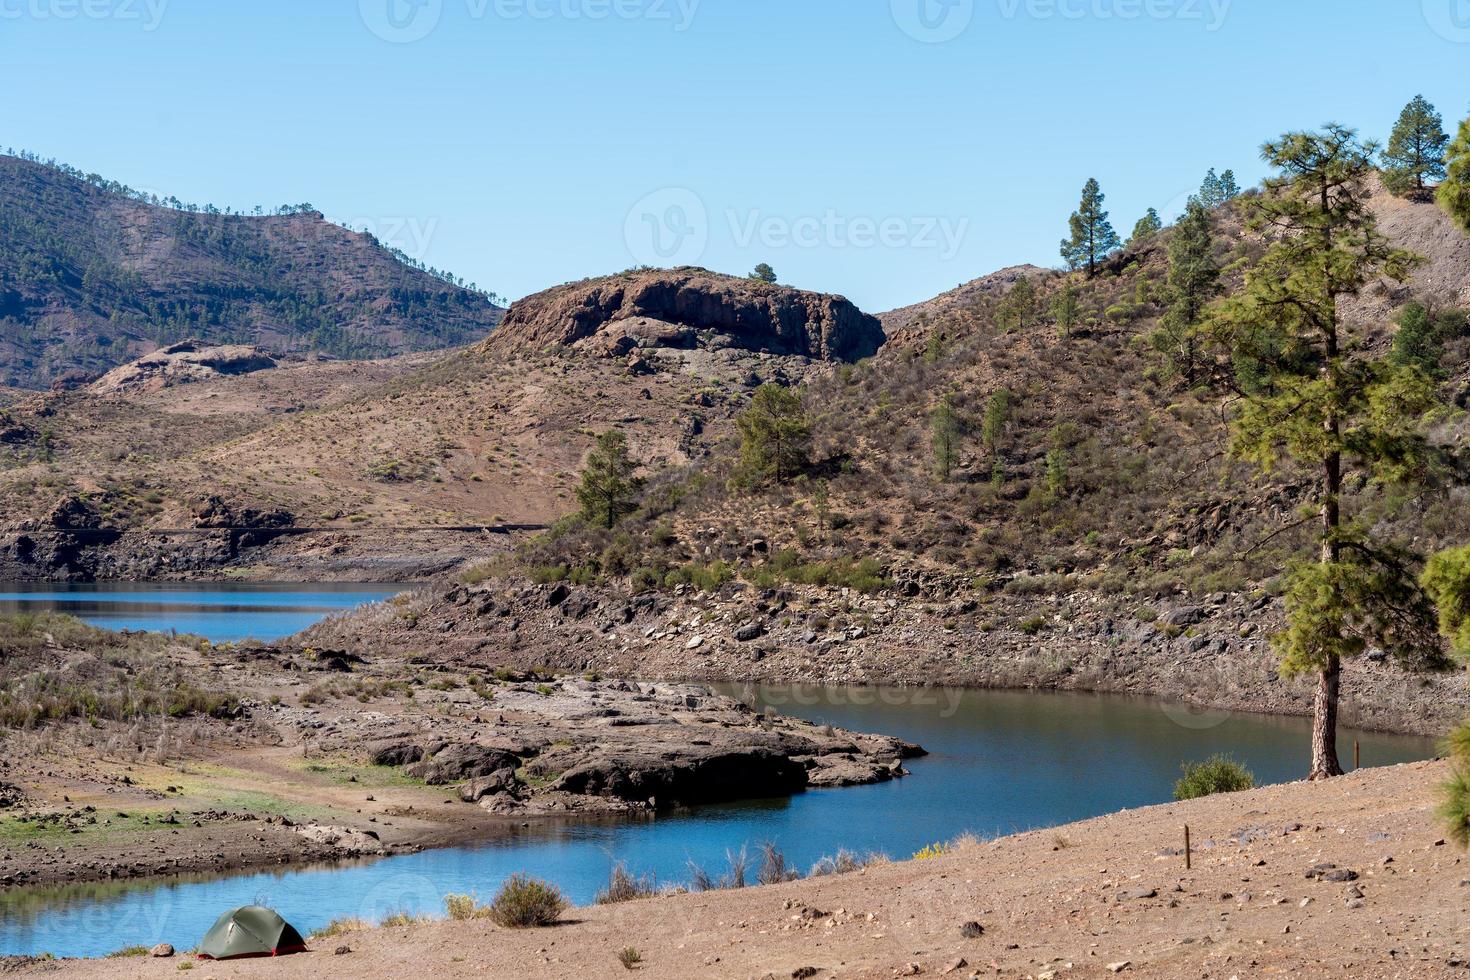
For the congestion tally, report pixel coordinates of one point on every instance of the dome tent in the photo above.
(250, 931)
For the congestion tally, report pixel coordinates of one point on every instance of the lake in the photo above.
(1000, 762)
(220, 612)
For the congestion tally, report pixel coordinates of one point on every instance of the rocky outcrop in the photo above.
(183, 363)
(557, 746)
(686, 308)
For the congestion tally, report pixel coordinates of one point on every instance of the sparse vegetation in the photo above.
(1218, 774)
(526, 903)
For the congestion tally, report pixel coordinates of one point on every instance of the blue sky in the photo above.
(884, 149)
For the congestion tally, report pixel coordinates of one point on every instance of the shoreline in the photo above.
(1076, 900)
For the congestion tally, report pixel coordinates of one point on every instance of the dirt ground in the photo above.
(1107, 897)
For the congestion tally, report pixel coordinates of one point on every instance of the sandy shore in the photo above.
(1107, 897)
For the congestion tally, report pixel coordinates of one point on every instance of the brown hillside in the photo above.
(92, 276)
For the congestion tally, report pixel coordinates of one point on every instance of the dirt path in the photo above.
(1073, 902)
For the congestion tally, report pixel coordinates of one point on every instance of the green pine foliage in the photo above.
(1418, 342)
(946, 432)
(775, 436)
(609, 491)
(1447, 579)
(764, 273)
(1020, 306)
(1454, 192)
(1092, 236)
(1148, 226)
(1194, 280)
(1416, 150)
(1326, 402)
(1066, 307)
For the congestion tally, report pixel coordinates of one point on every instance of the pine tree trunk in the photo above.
(1324, 723)
(1329, 679)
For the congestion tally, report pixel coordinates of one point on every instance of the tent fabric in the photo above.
(250, 931)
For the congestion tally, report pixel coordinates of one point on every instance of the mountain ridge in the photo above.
(94, 275)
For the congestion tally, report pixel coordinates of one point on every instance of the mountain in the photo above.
(92, 275)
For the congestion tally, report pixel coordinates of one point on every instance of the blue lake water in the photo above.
(221, 612)
(1000, 762)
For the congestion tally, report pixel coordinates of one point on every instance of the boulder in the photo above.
(749, 632)
(498, 782)
(398, 755)
(462, 762)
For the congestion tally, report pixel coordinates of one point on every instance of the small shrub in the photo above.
(630, 958)
(773, 870)
(1218, 774)
(525, 903)
(623, 887)
(932, 851)
(1032, 626)
(462, 908)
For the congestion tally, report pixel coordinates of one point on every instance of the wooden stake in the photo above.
(1188, 856)
(1357, 754)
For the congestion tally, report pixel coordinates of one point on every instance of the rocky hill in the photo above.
(1092, 533)
(93, 275)
(686, 308)
(384, 469)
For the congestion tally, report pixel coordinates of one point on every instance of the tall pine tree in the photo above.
(1194, 280)
(1330, 403)
(1212, 191)
(1454, 193)
(1229, 189)
(1093, 237)
(1415, 154)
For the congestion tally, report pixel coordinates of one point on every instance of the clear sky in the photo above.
(884, 149)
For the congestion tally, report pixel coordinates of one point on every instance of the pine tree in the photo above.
(763, 273)
(1065, 309)
(1229, 189)
(1418, 342)
(1415, 153)
(609, 491)
(1148, 226)
(1019, 306)
(1212, 192)
(1093, 237)
(1329, 403)
(775, 435)
(946, 429)
(1454, 193)
(1194, 280)
(1447, 579)
(997, 417)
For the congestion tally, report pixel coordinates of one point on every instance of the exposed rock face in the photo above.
(183, 363)
(685, 308)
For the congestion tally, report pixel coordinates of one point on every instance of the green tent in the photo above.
(250, 931)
